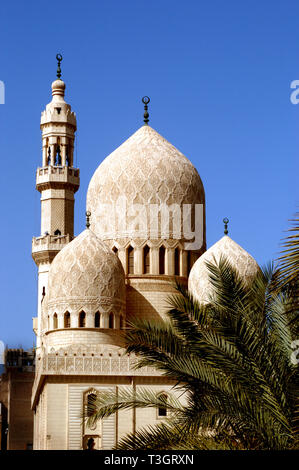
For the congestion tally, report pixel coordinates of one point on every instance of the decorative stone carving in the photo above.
(92, 365)
(86, 275)
(145, 169)
(199, 283)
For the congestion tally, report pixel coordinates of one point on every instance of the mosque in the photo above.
(145, 227)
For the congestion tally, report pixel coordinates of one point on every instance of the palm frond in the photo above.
(230, 358)
(110, 401)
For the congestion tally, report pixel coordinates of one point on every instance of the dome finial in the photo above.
(145, 101)
(59, 59)
(88, 214)
(225, 221)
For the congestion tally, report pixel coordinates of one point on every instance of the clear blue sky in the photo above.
(218, 74)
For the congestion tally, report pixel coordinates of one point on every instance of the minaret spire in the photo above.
(59, 59)
(145, 101)
(225, 221)
(88, 214)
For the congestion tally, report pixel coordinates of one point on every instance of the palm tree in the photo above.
(289, 261)
(230, 359)
(288, 267)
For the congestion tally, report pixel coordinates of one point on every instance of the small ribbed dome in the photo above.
(199, 284)
(145, 169)
(85, 274)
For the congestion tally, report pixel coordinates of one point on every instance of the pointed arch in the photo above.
(111, 320)
(162, 253)
(89, 398)
(146, 260)
(82, 319)
(162, 410)
(67, 320)
(55, 321)
(130, 257)
(177, 263)
(97, 320)
(49, 156)
(67, 161)
(58, 159)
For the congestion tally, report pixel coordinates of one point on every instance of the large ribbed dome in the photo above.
(145, 169)
(199, 283)
(85, 275)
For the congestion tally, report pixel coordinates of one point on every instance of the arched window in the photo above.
(130, 260)
(57, 233)
(91, 398)
(58, 156)
(55, 321)
(82, 318)
(162, 260)
(67, 320)
(67, 161)
(177, 262)
(111, 320)
(49, 156)
(146, 260)
(162, 410)
(115, 250)
(97, 319)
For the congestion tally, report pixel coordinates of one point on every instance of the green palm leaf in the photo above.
(230, 358)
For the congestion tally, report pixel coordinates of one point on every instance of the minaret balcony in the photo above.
(45, 248)
(57, 176)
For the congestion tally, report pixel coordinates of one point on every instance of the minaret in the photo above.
(57, 181)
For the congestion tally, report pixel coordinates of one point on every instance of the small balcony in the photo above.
(45, 248)
(60, 175)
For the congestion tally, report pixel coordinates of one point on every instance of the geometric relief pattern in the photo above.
(199, 283)
(145, 169)
(85, 270)
(108, 362)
